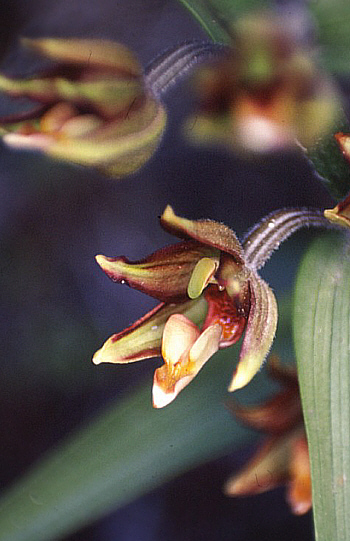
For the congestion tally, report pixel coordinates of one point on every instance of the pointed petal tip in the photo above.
(108, 354)
(101, 260)
(247, 368)
(35, 141)
(168, 214)
(160, 398)
(302, 507)
(338, 215)
(97, 358)
(233, 487)
(239, 380)
(109, 265)
(28, 42)
(208, 232)
(331, 215)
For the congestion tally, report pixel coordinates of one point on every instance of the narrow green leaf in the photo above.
(322, 342)
(130, 449)
(215, 16)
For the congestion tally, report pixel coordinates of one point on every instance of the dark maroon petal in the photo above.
(206, 232)
(275, 416)
(164, 275)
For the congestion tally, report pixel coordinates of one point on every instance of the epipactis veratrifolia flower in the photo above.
(92, 109)
(265, 93)
(283, 458)
(210, 293)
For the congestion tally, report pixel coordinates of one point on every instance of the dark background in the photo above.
(57, 307)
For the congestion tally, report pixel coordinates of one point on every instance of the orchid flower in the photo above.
(266, 93)
(210, 293)
(283, 458)
(96, 106)
(93, 107)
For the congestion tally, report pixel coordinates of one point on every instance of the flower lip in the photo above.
(185, 350)
(228, 313)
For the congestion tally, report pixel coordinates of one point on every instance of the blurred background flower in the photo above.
(266, 93)
(283, 458)
(93, 107)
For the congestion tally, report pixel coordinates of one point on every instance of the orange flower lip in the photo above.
(223, 310)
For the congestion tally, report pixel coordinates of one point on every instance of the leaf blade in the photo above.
(130, 449)
(215, 16)
(321, 332)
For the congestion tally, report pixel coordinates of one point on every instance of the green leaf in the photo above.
(322, 342)
(333, 20)
(215, 16)
(128, 450)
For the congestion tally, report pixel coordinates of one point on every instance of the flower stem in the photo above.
(267, 235)
(172, 65)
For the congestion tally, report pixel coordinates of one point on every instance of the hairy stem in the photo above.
(267, 235)
(169, 67)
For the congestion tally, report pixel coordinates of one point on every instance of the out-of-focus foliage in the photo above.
(215, 16)
(128, 450)
(332, 20)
